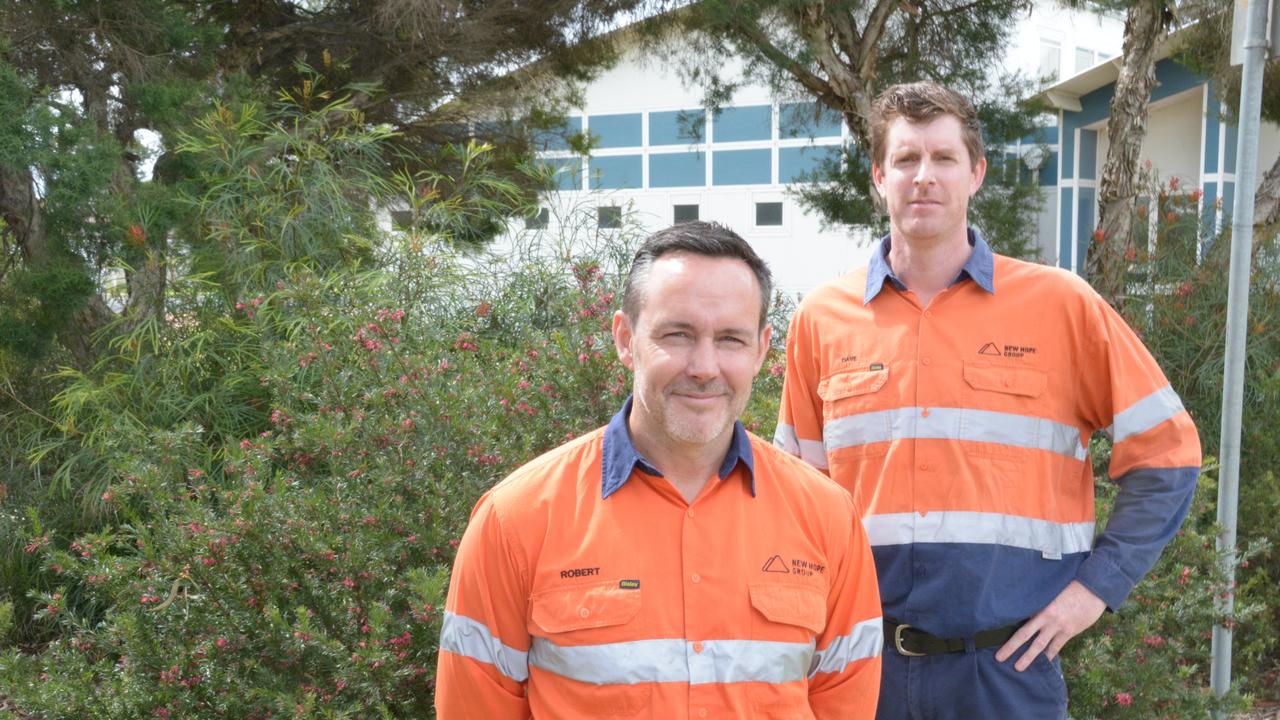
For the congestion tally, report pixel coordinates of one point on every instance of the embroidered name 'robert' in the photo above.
(579, 572)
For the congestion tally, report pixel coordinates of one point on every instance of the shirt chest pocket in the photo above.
(855, 412)
(787, 612)
(1004, 409)
(789, 618)
(586, 634)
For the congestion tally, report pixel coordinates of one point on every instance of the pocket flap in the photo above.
(790, 605)
(1027, 382)
(584, 606)
(854, 382)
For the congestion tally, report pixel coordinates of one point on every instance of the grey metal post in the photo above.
(1237, 323)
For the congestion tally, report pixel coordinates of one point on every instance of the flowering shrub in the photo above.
(1151, 659)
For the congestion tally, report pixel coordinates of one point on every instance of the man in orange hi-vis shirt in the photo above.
(954, 393)
(668, 565)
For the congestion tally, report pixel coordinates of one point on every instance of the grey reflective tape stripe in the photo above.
(811, 451)
(622, 663)
(463, 636)
(731, 661)
(675, 660)
(814, 453)
(784, 437)
(865, 640)
(958, 526)
(1145, 414)
(984, 426)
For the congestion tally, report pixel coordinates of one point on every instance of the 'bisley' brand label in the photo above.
(579, 572)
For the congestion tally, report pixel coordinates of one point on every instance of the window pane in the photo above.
(609, 217)
(1084, 59)
(741, 167)
(613, 131)
(538, 220)
(733, 124)
(685, 213)
(677, 170)
(1050, 60)
(768, 213)
(677, 127)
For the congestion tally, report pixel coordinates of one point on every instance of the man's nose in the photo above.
(702, 360)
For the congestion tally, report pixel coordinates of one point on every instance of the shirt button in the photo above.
(928, 313)
(702, 712)
(690, 513)
(924, 466)
(695, 578)
(926, 361)
(697, 646)
(1008, 382)
(584, 612)
(924, 412)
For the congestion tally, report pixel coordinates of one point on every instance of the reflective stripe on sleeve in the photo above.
(955, 526)
(865, 640)
(675, 660)
(983, 426)
(813, 452)
(463, 636)
(1145, 414)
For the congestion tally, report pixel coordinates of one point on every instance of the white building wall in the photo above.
(801, 252)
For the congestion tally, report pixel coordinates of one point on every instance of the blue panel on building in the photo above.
(808, 119)
(567, 172)
(1042, 136)
(1172, 78)
(557, 138)
(686, 169)
(1228, 202)
(1084, 225)
(1088, 155)
(615, 172)
(741, 167)
(1064, 228)
(1207, 208)
(1233, 137)
(678, 127)
(1049, 170)
(1211, 126)
(1067, 153)
(613, 131)
(752, 122)
(796, 164)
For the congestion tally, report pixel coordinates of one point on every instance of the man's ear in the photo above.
(766, 334)
(979, 172)
(877, 178)
(623, 334)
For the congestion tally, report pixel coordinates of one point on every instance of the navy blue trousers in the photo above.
(970, 686)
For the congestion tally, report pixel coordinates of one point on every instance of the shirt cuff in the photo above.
(1105, 579)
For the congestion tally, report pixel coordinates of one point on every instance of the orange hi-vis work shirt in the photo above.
(962, 431)
(585, 586)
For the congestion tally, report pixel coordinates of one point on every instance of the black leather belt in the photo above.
(914, 642)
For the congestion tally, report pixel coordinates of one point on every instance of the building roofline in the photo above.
(1065, 94)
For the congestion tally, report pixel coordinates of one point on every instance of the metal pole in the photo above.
(1237, 324)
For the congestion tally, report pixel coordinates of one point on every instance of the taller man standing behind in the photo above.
(954, 392)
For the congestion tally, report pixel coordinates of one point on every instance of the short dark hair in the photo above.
(922, 102)
(699, 238)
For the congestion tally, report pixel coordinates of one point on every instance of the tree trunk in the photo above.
(1144, 27)
(1266, 204)
(21, 212)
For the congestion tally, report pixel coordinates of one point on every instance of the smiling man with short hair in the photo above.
(669, 565)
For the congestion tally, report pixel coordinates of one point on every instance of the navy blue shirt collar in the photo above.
(980, 267)
(619, 455)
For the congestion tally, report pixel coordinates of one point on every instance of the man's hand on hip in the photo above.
(1071, 613)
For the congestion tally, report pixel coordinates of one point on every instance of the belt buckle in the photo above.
(897, 643)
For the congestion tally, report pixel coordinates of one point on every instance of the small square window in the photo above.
(685, 213)
(768, 213)
(538, 220)
(608, 217)
(402, 219)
